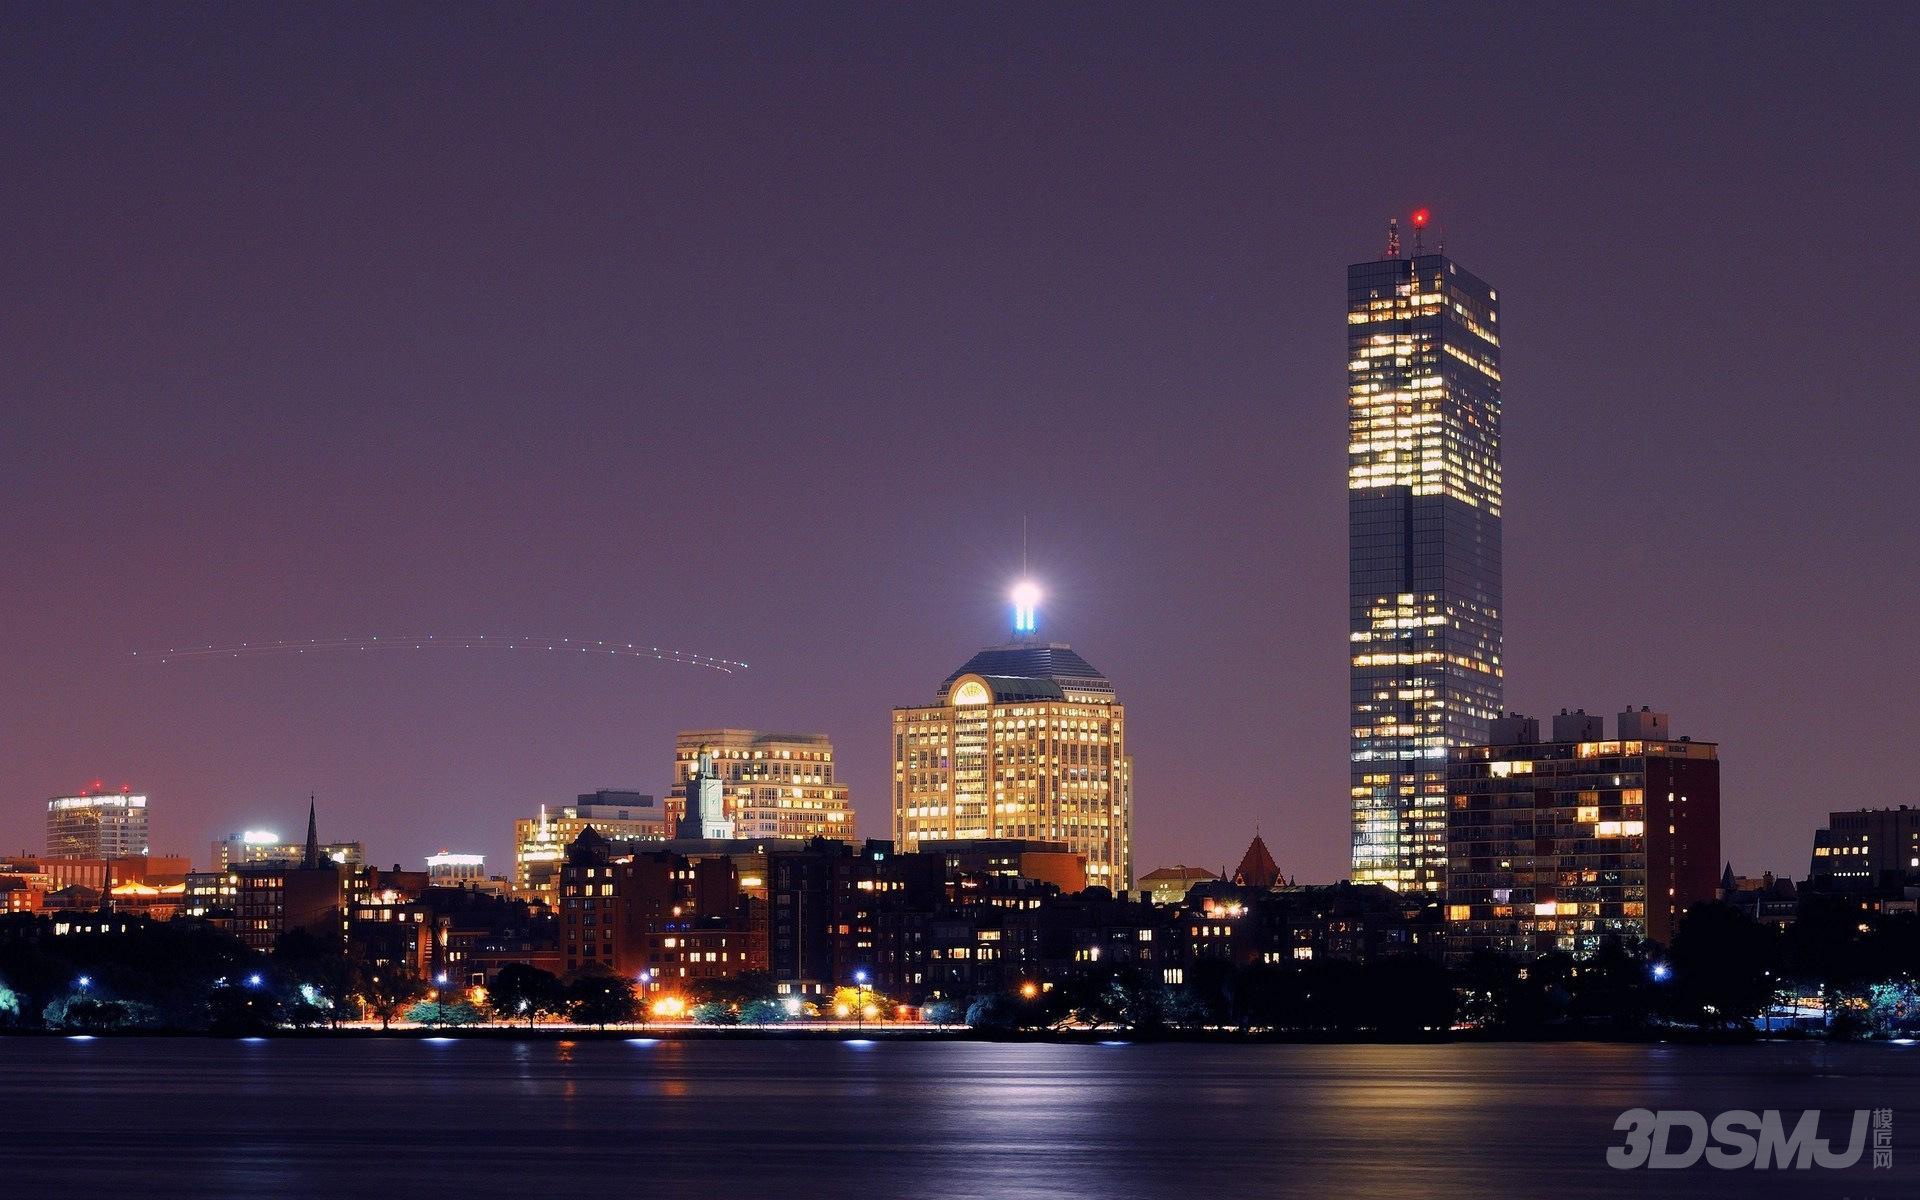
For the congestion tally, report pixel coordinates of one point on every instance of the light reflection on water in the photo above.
(882, 1118)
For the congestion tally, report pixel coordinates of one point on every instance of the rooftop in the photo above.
(1031, 671)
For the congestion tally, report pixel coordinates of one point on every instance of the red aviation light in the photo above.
(1420, 218)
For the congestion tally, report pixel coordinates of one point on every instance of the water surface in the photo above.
(795, 1118)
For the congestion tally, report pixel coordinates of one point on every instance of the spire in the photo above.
(310, 861)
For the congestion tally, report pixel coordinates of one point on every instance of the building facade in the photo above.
(97, 825)
(540, 842)
(1024, 741)
(639, 912)
(1867, 850)
(1555, 845)
(774, 785)
(266, 846)
(1423, 519)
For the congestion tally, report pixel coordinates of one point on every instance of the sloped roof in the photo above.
(1180, 873)
(1257, 868)
(1031, 670)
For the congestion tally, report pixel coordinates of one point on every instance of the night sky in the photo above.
(757, 335)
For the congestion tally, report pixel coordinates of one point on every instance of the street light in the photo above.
(1661, 972)
(84, 982)
(860, 1017)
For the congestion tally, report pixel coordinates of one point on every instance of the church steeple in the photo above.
(310, 861)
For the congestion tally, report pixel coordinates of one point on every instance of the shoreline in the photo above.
(1108, 1037)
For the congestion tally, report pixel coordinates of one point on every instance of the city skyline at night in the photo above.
(1130, 599)
(766, 358)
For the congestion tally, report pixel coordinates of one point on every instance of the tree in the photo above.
(736, 991)
(713, 1013)
(598, 998)
(947, 1011)
(1412, 995)
(237, 1009)
(387, 991)
(1612, 987)
(440, 1014)
(522, 992)
(1722, 966)
(1826, 946)
(761, 1012)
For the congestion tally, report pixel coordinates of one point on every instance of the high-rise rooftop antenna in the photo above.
(1025, 595)
(1393, 237)
(1420, 218)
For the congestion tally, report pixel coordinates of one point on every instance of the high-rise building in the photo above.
(1423, 522)
(1554, 845)
(774, 785)
(1025, 740)
(540, 842)
(97, 825)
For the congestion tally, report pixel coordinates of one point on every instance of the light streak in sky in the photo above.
(531, 645)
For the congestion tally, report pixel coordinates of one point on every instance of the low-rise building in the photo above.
(540, 842)
(1867, 851)
(1170, 885)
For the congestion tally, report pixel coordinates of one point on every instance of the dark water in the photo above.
(119, 1118)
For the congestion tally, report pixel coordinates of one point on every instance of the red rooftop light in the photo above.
(1420, 218)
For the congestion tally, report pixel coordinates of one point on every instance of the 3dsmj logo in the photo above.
(1742, 1138)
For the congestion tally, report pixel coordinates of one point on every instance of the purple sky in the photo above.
(757, 335)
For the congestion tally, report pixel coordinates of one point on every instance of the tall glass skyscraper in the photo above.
(1423, 520)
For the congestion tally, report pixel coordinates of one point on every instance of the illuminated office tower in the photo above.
(774, 785)
(1423, 522)
(97, 825)
(1025, 740)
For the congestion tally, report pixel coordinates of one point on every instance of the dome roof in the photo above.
(1031, 671)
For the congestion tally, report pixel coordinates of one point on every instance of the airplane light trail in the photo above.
(439, 641)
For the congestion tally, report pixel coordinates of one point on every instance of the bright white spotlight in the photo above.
(1026, 606)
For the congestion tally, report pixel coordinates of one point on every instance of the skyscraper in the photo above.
(1025, 740)
(1423, 523)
